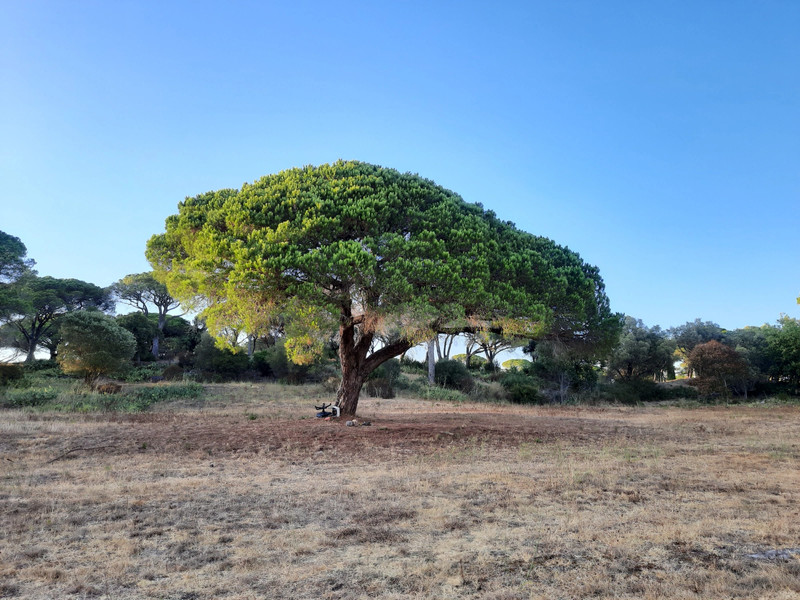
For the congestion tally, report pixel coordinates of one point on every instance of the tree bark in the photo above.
(431, 364)
(356, 365)
(162, 321)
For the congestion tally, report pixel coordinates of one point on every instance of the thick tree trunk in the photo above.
(356, 365)
(31, 354)
(349, 389)
(155, 347)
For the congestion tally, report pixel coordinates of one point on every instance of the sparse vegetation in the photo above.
(434, 500)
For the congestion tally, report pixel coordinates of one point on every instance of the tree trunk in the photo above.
(356, 365)
(162, 321)
(352, 356)
(31, 354)
(349, 389)
(431, 364)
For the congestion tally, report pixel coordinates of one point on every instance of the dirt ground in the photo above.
(246, 495)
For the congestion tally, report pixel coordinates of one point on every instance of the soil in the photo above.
(391, 433)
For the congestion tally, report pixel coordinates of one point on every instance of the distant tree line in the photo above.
(577, 351)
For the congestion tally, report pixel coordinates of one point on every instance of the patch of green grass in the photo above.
(73, 397)
(141, 373)
(422, 390)
(32, 396)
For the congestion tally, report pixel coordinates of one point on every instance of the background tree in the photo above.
(142, 291)
(692, 334)
(355, 248)
(719, 368)
(39, 302)
(444, 345)
(492, 344)
(752, 344)
(642, 352)
(93, 344)
(13, 258)
(561, 368)
(13, 266)
(144, 330)
(784, 344)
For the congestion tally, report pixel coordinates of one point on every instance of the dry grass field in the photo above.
(246, 495)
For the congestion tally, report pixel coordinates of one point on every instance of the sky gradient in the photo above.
(661, 141)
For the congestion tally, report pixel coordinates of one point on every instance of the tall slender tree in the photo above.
(143, 291)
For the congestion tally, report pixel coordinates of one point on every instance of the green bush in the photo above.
(139, 373)
(18, 398)
(380, 388)
(633, 391)
(521, 389)
(218, 364)
(41, 365)
(273, 362)
(10, 373)
(173, 373)
(140, 399)
(453, 375)
(260, 362)
(93, 344)
(488, 391)
(409, 365)
(432, 392)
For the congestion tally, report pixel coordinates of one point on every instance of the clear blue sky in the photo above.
(660, 140)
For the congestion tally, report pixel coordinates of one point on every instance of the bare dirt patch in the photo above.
(240, 497)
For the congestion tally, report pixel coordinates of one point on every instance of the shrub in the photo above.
(40, 365)
(521, 389)
(492, 391)
(382, 381)
(28, 397)
(173, 373)
(219, 364)
(633, 391)
(143, 330)
(380, 388)
(260, 363)
(454, 375)
(142, 398)
(273, 362)
(409, 365)
(139, 373)
(10, 373)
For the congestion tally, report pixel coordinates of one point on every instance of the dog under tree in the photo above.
(363, 251)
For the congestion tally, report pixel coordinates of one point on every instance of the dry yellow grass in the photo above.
(240, 498)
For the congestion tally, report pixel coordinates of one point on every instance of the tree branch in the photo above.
(385, 353)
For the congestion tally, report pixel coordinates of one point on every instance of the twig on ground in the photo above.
(76, 449)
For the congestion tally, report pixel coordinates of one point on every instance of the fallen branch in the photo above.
(76, 449)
